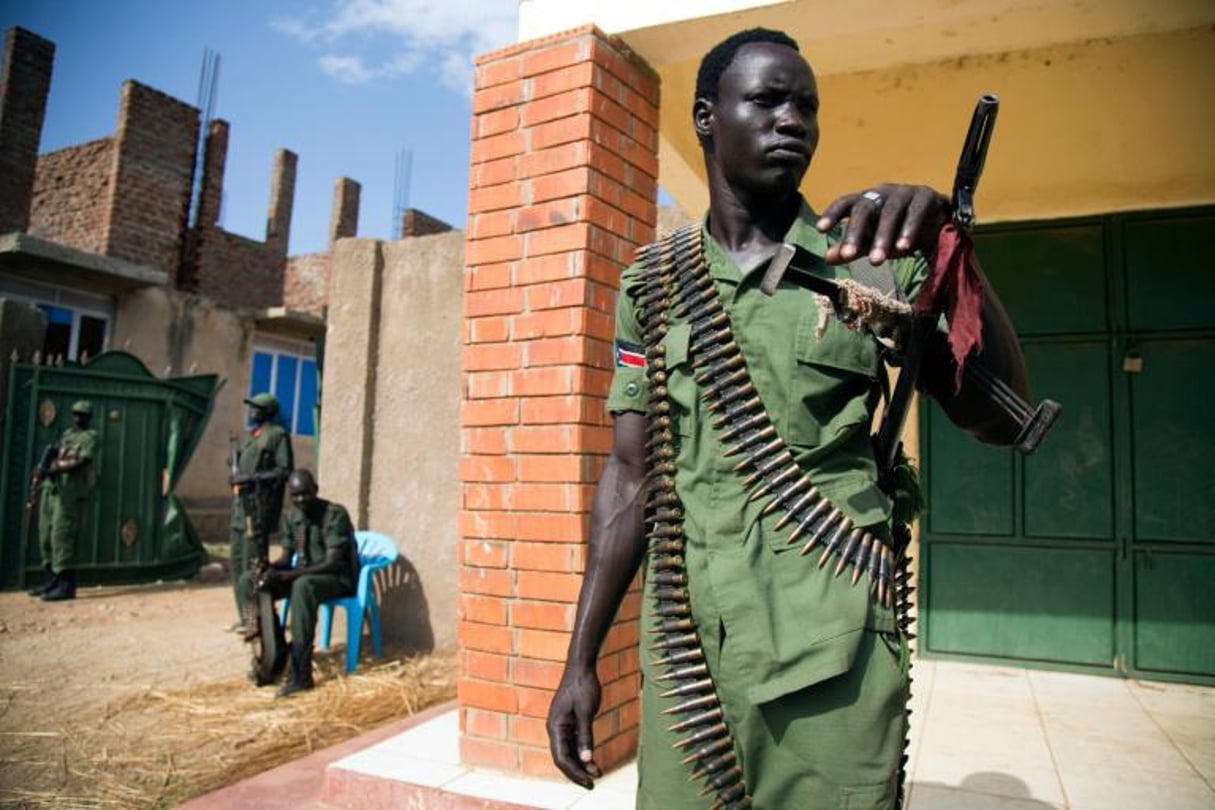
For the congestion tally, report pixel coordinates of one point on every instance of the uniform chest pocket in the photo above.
(681, 383)
(831, 379)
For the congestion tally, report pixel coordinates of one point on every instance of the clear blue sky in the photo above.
(345, 84)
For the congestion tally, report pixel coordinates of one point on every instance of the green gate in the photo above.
(1099, 551)
(147, 428)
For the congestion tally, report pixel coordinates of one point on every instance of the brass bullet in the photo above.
(670, 578)
(672, 642)
(667, 515)
(687, 656)
(712, 732)
(790, 471)
(668, 611)
(833, 541)
(712, 354)
(776, 445)
(854, 539)
(710, 716)
(667, 561)
(721, 384)
(801, 503)
(714, 765)
(667, 547)
(730, 776)
(674, 626)
(862, 557)
(694, 704)
(761, 435)
(671, 594)
(756, 420)
(728, 364)
(709, 750)
(685, 673)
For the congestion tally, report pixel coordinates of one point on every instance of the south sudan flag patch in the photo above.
(629, 355)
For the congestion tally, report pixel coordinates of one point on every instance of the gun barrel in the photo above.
(974, 155)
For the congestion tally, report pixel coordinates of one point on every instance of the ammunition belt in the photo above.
(677, 284)
(708, 739)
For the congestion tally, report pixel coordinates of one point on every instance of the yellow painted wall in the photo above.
(1092, 127)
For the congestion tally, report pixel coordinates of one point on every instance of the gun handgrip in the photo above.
(1035, 430)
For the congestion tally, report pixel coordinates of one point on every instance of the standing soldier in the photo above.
(259, 474)
(67, 487)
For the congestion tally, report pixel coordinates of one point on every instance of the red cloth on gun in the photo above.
(955, 274)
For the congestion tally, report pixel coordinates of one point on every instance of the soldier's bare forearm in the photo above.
(617, 541)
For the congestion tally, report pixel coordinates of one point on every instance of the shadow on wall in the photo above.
(404, 612)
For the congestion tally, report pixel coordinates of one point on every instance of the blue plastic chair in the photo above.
(376, 551)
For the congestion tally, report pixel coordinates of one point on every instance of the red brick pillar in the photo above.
(562, 192)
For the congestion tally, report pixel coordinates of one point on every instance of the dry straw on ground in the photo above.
(161, 747)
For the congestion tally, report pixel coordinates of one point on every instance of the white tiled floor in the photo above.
(983, 738)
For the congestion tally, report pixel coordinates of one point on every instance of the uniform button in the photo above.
(632, 389)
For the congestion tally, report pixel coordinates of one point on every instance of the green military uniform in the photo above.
(267, 450)
(307, 539)
(810, 670)
(64, 499)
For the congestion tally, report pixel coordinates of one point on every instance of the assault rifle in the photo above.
(43, 470)
(262, 628)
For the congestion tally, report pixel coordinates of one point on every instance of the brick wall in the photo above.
(155, 144)
(239, 272)
(344, 211)
(306, 283)
(562, 191)
(419, 223)
(71, 195)
(25, 80)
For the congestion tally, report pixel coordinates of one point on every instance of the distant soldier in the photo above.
(259, 474)
(320, 561)
(66, 487)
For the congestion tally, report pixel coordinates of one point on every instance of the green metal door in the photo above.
(147, 429)
(1096, 552)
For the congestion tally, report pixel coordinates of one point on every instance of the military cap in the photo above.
(82, 406)
(265, 400)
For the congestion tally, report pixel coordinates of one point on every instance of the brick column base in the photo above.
(562, 192)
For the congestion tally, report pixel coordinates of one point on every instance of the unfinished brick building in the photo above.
(101, 237)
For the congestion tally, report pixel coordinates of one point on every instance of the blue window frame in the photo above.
(291, 376)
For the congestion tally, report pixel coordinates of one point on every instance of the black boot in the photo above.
(51, 579)
(301, 670)
(65, 588)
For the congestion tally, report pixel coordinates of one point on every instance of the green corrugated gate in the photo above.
(147, 430)
(1099, 551)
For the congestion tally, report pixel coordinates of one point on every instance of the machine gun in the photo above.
(262, 628)
(43, 470)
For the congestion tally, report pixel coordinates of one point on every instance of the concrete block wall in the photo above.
(71, 197)
(153, 176)
(25, 81)
(562, 192)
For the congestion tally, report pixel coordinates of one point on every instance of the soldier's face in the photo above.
(256, 415)
(763, 128)
(81, 420)
(302, 495)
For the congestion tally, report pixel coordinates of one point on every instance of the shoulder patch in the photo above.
(629, 355)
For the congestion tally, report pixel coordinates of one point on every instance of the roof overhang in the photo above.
(840, 38)
(289, 323)
(46, 262)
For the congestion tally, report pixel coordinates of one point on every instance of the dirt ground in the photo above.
(137, 697)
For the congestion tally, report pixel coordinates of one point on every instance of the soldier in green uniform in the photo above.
(319, 561)
(66, 491)
(808, 671)
(262, 467)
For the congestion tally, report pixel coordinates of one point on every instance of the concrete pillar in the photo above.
(282, 199)
(562, 192)
(344, 213)
(348, 396)
(25, 81)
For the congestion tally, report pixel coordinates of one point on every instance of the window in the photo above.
(288, 371)
(78, 324)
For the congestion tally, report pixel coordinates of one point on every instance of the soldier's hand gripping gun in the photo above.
(899, 327)
(1033, 422)
(44, 469)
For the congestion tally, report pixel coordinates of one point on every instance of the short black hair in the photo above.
(722, 54)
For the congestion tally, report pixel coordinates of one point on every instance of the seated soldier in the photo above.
(320, 561)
